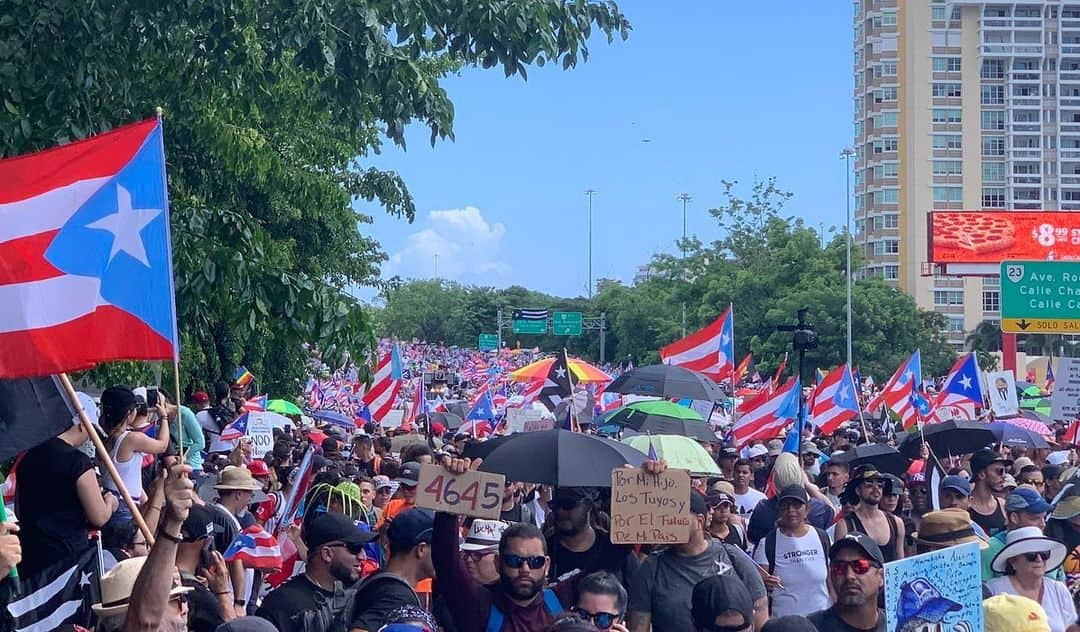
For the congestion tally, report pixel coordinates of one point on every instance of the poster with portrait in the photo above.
(941, 590)
(1002, 389)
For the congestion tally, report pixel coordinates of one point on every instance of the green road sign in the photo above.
(1040, 297)
(488, 342)
(529, 326)
(566, 323)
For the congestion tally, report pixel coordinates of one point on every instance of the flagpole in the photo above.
(570, 378)
(103, 454)
(731, 315)
(179, 417)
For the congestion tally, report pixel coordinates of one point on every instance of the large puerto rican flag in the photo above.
(900, 392)
(834, 400)
(85, 258)
(766, 416)
(710, 350)
(385, 385)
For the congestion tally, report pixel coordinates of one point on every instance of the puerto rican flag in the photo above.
(834, 400)
(710, 350)
(963, 384)
(256, 404)
(898, 391)
(255, 548)
(768, 415)
(384, 388)
(531, 392)
(85, 257)
(236, 429)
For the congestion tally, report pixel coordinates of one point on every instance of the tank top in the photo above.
(992, 524)
(130, 471)
(888, 550)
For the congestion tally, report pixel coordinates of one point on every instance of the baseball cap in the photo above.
(200, 397)
(756, 451)
(1013, 613)
(864, 543)
(983, 458)
(1067, 507)
(728, 453)
(1061, 457)
(795, 492)
(335, 527)
(483, 535)
(956, 483)
(865, 473)
(381, 482)
(410, 528)
(246, 624)
(789, 623)
(717, 594)
(409, 474)
(1010, 481)
(776, 446)
(198, 524)
(698, 506)
(1027, 500)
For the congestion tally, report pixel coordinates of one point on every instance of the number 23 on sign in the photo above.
(473, 493)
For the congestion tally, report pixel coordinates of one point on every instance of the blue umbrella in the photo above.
(1015, 436)
(334, 417)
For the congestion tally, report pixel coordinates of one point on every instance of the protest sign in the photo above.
(516, 418)
(650, 509)
(473, 493)
(392, 418)
(1003, 399)
(261, 431)
(1065, 400)
(938, 590)
(535, 425)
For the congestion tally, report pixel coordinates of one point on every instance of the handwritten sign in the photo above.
(950, 579)
(473, 493)
(518, 418)
(539, 424)
(261, 431)
(650, 509)
(393, 418)
(1065, 400)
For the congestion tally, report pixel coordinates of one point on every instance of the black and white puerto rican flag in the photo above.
(531, 314)
(60, 594)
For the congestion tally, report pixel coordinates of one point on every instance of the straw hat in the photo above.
(945, 528)
(237, 478)
(116, 587)
(1029, 540)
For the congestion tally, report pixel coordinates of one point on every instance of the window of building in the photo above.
(1025, 116)
(945, 90)
(993, 197)
(890, 220)
(946, 115)
(993, 146)
(886, 144)
(937, 14)
(993, 171)
(992, 95)
(948, 194)
(1070, 196)
(1025, 142)
(885, 95)
(943, 298)
(1026, 168)
(892, 246)
(946, 167)
(892, 272)
(955, 324)
(993, 120)
(858, 129)
(888, 69)
(991, 300)
(992, 69)
(888, 19)
(878, 248)
(1027, 194)
(947, 141)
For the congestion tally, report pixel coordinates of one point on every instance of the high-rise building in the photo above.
(960, 104)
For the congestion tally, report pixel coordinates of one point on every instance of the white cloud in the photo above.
(466, 243)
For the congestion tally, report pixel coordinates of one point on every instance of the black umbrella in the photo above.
(885, 458)
(561, 458)
(449, 420)
(949, 438)
(481, 449)
(665, 380)
(459, 408)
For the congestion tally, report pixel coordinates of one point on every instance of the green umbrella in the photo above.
(1033, 391)
(662, 417)
(681, 453)
(1035, 404)
(664, 408)
(283, 406)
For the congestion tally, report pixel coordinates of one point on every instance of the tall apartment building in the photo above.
(960, 104)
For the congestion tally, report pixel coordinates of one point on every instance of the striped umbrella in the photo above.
(1037, 427)
(583, 371)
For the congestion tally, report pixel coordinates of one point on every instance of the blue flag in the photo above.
(483, 409)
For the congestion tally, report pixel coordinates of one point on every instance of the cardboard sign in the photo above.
(1002, 389)
(473, 493)
(1065, 400)
(261, 431)
(392, 418)
(539, 424)
(516, 418)
(949, 581)
(650, 509)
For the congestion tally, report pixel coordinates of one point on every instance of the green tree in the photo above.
(270, 111)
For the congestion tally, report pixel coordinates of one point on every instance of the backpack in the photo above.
(222, 416)
(770, 547)
(496, 616)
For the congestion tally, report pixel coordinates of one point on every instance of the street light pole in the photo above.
(846, 154)
(590, 193)
(685, 197)
(436, 265)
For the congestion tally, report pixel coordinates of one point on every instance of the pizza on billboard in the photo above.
(996, 236)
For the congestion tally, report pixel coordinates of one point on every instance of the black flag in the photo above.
(557, 385)
(32, 411)
(62, 593)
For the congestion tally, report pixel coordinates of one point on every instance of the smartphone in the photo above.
(151, 396)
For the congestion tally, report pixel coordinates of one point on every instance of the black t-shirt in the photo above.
(51, 517)
(601, 556)
(512, 515)
(297, 604)
(367, 468)
(204, 609)
(828, 620)
(225, 530)
(377, 596)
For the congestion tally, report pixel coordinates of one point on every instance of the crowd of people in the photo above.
(778, 541)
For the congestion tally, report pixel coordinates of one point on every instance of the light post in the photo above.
(590, 193)
(685, 197)
(436, 265)
(847, 154)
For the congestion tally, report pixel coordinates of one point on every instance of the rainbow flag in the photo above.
(243, 377)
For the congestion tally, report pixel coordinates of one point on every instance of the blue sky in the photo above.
(723, 90)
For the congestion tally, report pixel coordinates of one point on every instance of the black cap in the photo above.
(198, 524)
(335, 527)
(982, 459)
(698, 505)
(717, 594)
(860, 541)
(795, 492)
(410, 528)
(790, 623)
(409, 474)
(866, 472)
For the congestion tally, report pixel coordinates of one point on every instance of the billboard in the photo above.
(990, 237)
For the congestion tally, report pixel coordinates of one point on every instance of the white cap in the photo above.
(1061, 457)
(756, 451)
(89, 406)
(484, 534)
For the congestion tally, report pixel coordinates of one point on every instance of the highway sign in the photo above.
(488, 342)
(1039, 297)
(566, 323)
(521, 326)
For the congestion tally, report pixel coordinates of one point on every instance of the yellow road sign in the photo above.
(1040, 325)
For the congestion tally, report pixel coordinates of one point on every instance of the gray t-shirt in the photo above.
(665, 581)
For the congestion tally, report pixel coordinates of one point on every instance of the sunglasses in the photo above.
(1040, 555)
(476, 555)
(565, 503)
(602, 620)
(353, 549)
(859, 567)
(517, 561)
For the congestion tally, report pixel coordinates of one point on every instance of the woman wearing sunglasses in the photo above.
(1027, 557)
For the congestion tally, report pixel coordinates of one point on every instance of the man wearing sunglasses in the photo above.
(887, 530)
(856, 575)
(335, 553)
(577, 545)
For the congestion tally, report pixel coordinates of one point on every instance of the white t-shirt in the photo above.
(1056, 600)
(745, 503)
(800, 565)
(207, 423)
